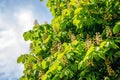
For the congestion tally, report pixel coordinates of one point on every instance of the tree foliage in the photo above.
(81, 43)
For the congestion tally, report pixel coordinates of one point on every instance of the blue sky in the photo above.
(16, 17)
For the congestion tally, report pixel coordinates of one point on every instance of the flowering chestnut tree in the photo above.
(81, 43)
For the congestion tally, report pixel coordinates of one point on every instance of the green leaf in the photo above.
(62, 74)
(74, 67)
(77, 11)
(24, 78)
(101, 55)
(81, 65)
(96, 56)
(83, 73)
(106, 78)
(103, 44)
(26, 36)
(34, 67)
(44, 64)
(44, 77)
(56, 77)
(59, 68)
(116, 28)
(47, 40)
(117, 39)
(21, 59)
(117, 53)
(113, 45)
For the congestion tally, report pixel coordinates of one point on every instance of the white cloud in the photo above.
(11, 41)
(6, 39)
(24, 18)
